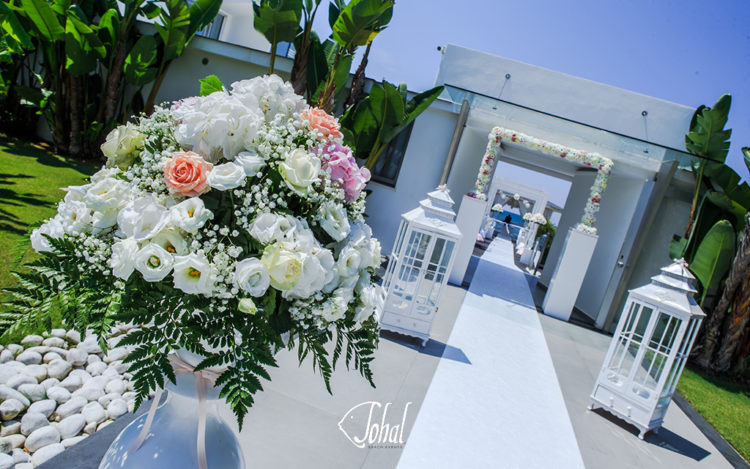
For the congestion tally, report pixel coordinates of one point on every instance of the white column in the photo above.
(568, 274)
(469, 220)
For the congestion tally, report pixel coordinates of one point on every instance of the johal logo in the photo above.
(379, 431)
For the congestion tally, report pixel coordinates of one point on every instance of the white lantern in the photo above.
(649, 349)
(419, 265)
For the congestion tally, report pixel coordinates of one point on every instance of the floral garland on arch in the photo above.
(602, 164)
(230, 225)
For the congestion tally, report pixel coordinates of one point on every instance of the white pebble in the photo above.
(73, 406)
(94, 412)
(45, 454)
(42, 437)
(31, 421)
(45, 407)
(117, 408)
(71, 426)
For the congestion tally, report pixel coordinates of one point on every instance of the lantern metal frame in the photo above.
(649, 349)
(419, 266)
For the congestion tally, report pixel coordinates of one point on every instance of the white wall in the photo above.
(238, 25)
(229, 62)
(420, 174)
(582, 100)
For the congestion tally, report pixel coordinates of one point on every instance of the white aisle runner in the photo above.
(504, 409)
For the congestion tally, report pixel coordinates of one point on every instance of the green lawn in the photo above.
(725, 405)
(30, 181)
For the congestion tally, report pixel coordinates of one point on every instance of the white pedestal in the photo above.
(469, 220)
(568, 274)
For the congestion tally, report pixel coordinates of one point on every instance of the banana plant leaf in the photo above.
(707, 136)
(714, 256)
(109, 28)
(746, 154)
(325, 56)
(137, 68)
(356, 24)
(278, 20)
(725, 178)
(201, 13)
(725, 203)
(83, 48)
(173, 31)
(46, 22)
(15, 36)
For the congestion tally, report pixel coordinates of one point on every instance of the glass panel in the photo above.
(388, 165)
(642, 323)
(408, 273)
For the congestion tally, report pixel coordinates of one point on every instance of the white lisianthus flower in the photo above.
(101, 221)
(75, 193)
(190, 214)
(251, 276)
(373, 300)
(332, 218)
(122, 261)
(226, 176)
(349, 262)
(265, 228)
(172, 240)
(284, 266)
(297, 234)
(74, 216)
(300, 170)
(122, 145)
(52, 228)
(107, 194)
(325, 257)
(334, 308)
(153, 262)
(103, 173)
(250, 161)
(193, 274)
(142, 219)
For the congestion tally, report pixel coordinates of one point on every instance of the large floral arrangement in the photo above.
(229, 225)
(602, 164)
(537, 218)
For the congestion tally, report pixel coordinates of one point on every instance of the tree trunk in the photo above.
(737, 326)
(325, 100)
(358, 81)
(59, 134)
(299, 68)
(149, 106)
(108, 106)
(76, 114)
(714, 324)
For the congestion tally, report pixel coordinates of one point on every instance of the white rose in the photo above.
(171, 240)
(311, 279)
(297, 234)
(142, 219)
(74, 216)
(334, 308)
(190, 214)
(250, 161)
(52, 228)
(122, 145)
(153, 262)
(284, 266)
(122, 261)
(348, 262)
(107, 194)
(326, 260)
(332, 218)
(300, 170)
(193, 274)
(104, 173)
(251, 276)
(373, 300)
(226, 176)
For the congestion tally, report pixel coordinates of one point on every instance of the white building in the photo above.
(645, 203)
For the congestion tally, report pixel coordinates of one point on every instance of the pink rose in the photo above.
(323, 122)
(186, 173)
(341, 165)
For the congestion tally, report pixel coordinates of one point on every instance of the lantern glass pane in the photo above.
(656, 356)
(615, 372)
(408, 272)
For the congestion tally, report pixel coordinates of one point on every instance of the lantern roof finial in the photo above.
(676, 276)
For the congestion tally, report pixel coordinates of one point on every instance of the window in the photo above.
(213, 29)
(389, 162)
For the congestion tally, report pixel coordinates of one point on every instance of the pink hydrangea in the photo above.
(341, 165)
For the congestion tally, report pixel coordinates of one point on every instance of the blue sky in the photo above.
(687, 51)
